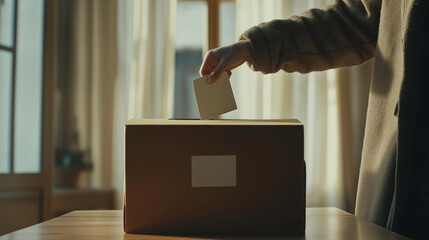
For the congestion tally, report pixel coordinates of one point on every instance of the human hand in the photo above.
(224, 59)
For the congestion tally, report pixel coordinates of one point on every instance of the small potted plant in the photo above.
(70, 164)
(68, 167)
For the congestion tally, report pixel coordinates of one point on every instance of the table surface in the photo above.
(321, 223)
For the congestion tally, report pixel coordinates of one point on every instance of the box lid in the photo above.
(241, 122)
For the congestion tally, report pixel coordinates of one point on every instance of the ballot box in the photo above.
(214, 177)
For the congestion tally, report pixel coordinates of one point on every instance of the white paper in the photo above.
(214, 99)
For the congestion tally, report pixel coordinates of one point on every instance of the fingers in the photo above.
(212, 66)
(217, 73)
(223, 59)
(209, 64)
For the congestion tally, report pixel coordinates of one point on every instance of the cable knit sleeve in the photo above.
(339, 35)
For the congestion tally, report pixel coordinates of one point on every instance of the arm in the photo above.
(341, 34)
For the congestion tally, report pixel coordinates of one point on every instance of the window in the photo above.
(227, 23)
(6, 64)
(21, 85)
(200, 25)
(26, 106)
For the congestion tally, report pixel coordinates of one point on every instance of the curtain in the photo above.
(331, 105)
(145, 80)
(86, 81)
(117, 63)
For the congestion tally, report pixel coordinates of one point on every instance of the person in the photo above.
(394, 174)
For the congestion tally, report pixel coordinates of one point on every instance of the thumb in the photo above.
(216, 74)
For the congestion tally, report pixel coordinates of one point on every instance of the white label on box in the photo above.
(214, 171)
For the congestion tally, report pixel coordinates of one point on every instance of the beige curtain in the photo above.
(86, 83)
(145, 81)
(331, 104)
(117, 64)
(352, 85)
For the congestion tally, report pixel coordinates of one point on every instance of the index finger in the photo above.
(209, 64)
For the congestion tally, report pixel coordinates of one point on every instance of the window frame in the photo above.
(12, 50)
(41, 181)
(213, 13)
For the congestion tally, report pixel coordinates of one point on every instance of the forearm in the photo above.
(342, 34)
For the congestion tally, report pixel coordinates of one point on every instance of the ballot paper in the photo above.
(214, 99)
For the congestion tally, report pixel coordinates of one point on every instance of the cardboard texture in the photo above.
(267, 197)
(214, 99)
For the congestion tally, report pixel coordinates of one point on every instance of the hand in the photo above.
(224, 59)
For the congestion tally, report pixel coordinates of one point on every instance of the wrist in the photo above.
(245, 49)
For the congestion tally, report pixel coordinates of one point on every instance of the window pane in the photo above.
(6, 62)
(227, 36)
(28, 87)
(227, 23)
(191, 31)
(6, 22)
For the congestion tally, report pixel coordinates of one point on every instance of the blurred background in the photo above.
(73, 72)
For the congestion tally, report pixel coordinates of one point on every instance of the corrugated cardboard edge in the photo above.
(305, 182)
(125, 185)
(233, 122)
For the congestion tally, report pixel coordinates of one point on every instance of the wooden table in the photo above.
(322, 223)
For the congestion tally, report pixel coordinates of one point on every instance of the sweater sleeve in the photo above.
(339, 35)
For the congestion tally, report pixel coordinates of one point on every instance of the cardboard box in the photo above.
(214, 177)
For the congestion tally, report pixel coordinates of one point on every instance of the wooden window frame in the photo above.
(41, 181)
(213, 13)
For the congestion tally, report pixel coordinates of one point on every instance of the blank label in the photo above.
(214, 171)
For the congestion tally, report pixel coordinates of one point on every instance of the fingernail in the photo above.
(209, 80)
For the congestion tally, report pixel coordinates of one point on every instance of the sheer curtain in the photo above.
(86, 80)
(145, 80)
(330, 104)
